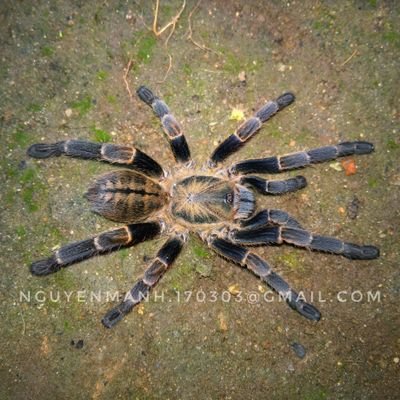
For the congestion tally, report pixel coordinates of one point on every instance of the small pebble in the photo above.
(22, 164)
(234, 289)
(352, 208)
(298, 349)
(281, 67)
(78, 344)
(242, 76)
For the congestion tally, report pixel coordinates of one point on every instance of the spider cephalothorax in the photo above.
(219, 207)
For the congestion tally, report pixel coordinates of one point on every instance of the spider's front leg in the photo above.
(103, 243)
(270, 217)
(264, 235)
(240, 255)
(170, 125)
(127, 156)
(163, 260)
(245, 131)
(271, 165)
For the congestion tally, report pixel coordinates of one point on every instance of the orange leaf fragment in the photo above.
(349, 166)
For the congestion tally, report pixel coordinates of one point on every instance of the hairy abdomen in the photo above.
(126, 196)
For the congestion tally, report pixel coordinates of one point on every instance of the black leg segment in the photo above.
(270, 217)
(300, 159)
(265, 186)
(104, 243)
(259, 267)
(303, 238)
(164, 259)
(126, 156)
(170, 125)
(245, 131)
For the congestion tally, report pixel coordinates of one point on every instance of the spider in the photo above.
(218, 205)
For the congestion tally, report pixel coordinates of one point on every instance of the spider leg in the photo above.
(302, 238)
(105, 242)
(270, 217)
(240, 255)
(163, 260)
(170, 125)
(300, 159)
(265, 186)
(245, 131)
(127, 156)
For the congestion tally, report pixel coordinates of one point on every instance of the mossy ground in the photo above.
(61, 73)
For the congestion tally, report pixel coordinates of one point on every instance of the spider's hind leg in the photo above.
(105, 242)
(127, 156)
(163, 260)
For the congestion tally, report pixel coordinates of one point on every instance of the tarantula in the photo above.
(217, 205)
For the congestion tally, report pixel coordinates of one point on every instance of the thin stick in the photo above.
(159, 32)
(168, 70)
(125, 77)
(344, 63)
(190, 33)
(172, 23)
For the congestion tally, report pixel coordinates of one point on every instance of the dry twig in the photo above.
(168, 69)
(172, 23)
(190, 31)
(348, 59)
(125, 78)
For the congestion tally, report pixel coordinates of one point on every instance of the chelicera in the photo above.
(216, 204)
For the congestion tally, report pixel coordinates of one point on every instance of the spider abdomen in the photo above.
(126, 196)
(201, 199)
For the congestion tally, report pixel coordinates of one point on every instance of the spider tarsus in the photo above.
(44, 150)
(357, 147)
(146, 95)
(285, 100)
(364, 147)
(305, 309)
(356, 252)
(116, 314)
(44, 267)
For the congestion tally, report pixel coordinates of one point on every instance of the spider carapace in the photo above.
(218, 205)
(208, 200)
